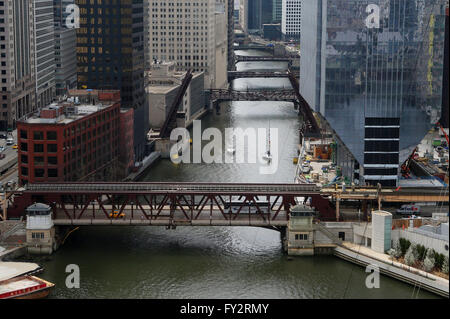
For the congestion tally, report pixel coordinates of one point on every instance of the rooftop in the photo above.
(79, 104)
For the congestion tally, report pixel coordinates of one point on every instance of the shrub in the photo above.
(421, 252)
(445, 265)
(429, 261)
(439, 259)
(410, 258)
(404, 245)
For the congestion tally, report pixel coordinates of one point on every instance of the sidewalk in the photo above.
(364, 256)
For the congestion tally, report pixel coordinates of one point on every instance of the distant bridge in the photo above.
(253, 47)
(243, 58)
(232, 75)
(254, 95)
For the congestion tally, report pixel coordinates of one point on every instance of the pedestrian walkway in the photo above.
(365, 256)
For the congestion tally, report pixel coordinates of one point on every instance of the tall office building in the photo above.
(65, 47)
(253, 14)
(192, 33)
(44, 37)
(277, 11)
(445, 114)
(110, 55)
(17, 66)
(291, 19)
(373, 70)
(230, 28)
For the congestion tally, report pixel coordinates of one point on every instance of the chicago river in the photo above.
(214, 262)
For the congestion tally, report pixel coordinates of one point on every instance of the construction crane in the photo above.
(405, 168)
(443, 131)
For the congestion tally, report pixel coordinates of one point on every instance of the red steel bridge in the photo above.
(196, 204)
(169, 204)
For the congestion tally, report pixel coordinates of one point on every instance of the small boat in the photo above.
(267, 155)
(232, 148)
(25, 287)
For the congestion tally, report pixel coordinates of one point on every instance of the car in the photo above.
(2, 148)
(116, 214)
(306, 168)
(9, 141)
(2, 156)
(409, 210)
(3, 136)
(15, 146)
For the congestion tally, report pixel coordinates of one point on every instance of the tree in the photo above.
(410, 258)
(404, 245)
(421, 252)
(397, 249)
(429, 261)
(445, 265)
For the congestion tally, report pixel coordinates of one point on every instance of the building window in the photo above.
(53, 160)
(301, 236)
(37, 235)
(38, 135)
(51, 136)
(23, 134)
(39, 148)
(24, 171)
(39, 172)
(24, 147)
(24, 159)
(38, 160)
(52, 148)
(342, 235)
(52, 172)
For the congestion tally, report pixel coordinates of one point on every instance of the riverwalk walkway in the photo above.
(364, 256)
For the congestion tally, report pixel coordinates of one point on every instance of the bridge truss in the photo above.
(203, 204)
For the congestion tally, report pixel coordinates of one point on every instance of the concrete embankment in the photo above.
(416, 277)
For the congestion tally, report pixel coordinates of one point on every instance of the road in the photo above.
(8, 165)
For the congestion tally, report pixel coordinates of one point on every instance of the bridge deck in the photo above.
(162, 188)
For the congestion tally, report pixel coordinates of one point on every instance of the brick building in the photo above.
(73, 140)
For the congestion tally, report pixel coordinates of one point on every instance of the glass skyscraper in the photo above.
(110, 55)
(373, 69)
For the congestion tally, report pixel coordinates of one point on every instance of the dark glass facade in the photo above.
(259, 13)
(373, 69)
(110, 55)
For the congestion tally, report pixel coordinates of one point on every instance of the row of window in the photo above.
(301, 236)
(39, 148)
(39, 135)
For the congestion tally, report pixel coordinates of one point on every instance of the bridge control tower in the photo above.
(300, 231)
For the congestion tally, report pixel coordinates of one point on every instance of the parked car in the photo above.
(3, 135)
(409, 210)
(2, 156)
(2, 148)
(10, 141)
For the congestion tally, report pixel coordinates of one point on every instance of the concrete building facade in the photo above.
(44, 37)
(193, 34)
(17, 61)
(291, 19)
(162, 88)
